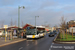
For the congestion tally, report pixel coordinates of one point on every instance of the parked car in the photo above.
(51, 34)
(54, 32)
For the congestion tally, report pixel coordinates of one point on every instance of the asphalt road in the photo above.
(31, 44)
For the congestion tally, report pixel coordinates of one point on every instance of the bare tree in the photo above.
(2, 23)
(11, 23)
(63, 26)
(15, 23)
(63, 23)
(55, 26)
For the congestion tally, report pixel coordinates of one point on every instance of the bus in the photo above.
(35, 32)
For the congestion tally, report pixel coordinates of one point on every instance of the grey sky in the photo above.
(47, 10)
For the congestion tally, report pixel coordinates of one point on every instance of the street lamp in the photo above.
(19, 15)
(45, 23)
(35, 19)
(35, 23)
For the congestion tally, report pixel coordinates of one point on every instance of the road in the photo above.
(45, 43)
(56, 46)
(30, 44)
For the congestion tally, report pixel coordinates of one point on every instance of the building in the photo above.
(38, 27)
(71, 24)
(11, 30)
(24, 27)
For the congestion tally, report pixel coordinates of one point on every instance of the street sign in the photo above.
(24, 29)
(6, 34)
(5, 26)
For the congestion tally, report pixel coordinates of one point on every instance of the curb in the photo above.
(65, 42)
(55, 38)
(12, 42)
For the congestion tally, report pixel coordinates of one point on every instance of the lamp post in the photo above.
(35, 23)
(19, 15)
(45, 23)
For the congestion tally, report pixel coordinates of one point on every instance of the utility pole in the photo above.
(35, 23)
(45, 23)
(19, 15)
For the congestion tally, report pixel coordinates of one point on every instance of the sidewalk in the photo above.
(3, 43)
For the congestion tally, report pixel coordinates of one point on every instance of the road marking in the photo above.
(49, 49)
(51, 46)
(20, 48)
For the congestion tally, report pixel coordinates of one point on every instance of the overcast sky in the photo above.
(49, 11)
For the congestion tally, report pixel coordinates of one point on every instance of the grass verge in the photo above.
(63, 37)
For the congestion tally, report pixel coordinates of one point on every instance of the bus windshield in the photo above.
(30, 32)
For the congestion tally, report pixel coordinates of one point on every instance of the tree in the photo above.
(2, 23)
(63, 23)
(11, 23)
(63, 26)
(15, 23)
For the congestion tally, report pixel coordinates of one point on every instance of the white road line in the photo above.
(51, 46)
(20, 48)
(49, 49)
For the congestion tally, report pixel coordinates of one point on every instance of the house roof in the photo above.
(40, 26)
(12, 27)
(27, 26)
